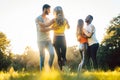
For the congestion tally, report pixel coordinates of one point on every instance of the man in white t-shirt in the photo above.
(93, 44)
(43, 37)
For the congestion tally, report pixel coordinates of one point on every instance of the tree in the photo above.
(29, 60)
(73, 57)
(109, 51)
(4, 42)
(5, 54)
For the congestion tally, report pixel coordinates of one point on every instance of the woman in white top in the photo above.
(92, 42)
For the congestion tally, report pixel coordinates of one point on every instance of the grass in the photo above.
(58, 75)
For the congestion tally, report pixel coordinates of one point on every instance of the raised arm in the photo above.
(44, 24)
(68, 26)
(44, 27)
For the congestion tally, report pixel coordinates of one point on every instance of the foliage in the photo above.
(4, 42)
(73, 57)
(17, 63)
(57, 75)
(5, 53)
(29, 60)
(109, 51)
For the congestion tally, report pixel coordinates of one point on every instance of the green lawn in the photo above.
(57, 75)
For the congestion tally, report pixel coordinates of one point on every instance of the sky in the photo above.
(17, 18)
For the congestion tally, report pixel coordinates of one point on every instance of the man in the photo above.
(43, 38)
(92, 41)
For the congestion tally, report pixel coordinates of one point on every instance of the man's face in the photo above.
(47, 11)
(87, 20)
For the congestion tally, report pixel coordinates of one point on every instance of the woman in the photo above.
(81, 37)
(59, 36)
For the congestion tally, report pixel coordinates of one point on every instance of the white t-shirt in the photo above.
(93, 38)
(42, 36)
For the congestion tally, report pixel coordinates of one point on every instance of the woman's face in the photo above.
(54, 13)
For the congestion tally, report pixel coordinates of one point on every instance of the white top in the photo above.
(93, 38)
(42, 36)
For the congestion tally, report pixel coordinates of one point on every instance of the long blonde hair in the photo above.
(80, 27)
(59, 15)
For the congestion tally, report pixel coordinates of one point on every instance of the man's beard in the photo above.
(46, 12)
(87, 21)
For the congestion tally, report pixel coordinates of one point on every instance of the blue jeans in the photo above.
(42, 45)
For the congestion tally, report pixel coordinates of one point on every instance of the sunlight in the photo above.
(51, 35)
(18, 22)
(71, 38)
(53, 74)
(50, 75)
